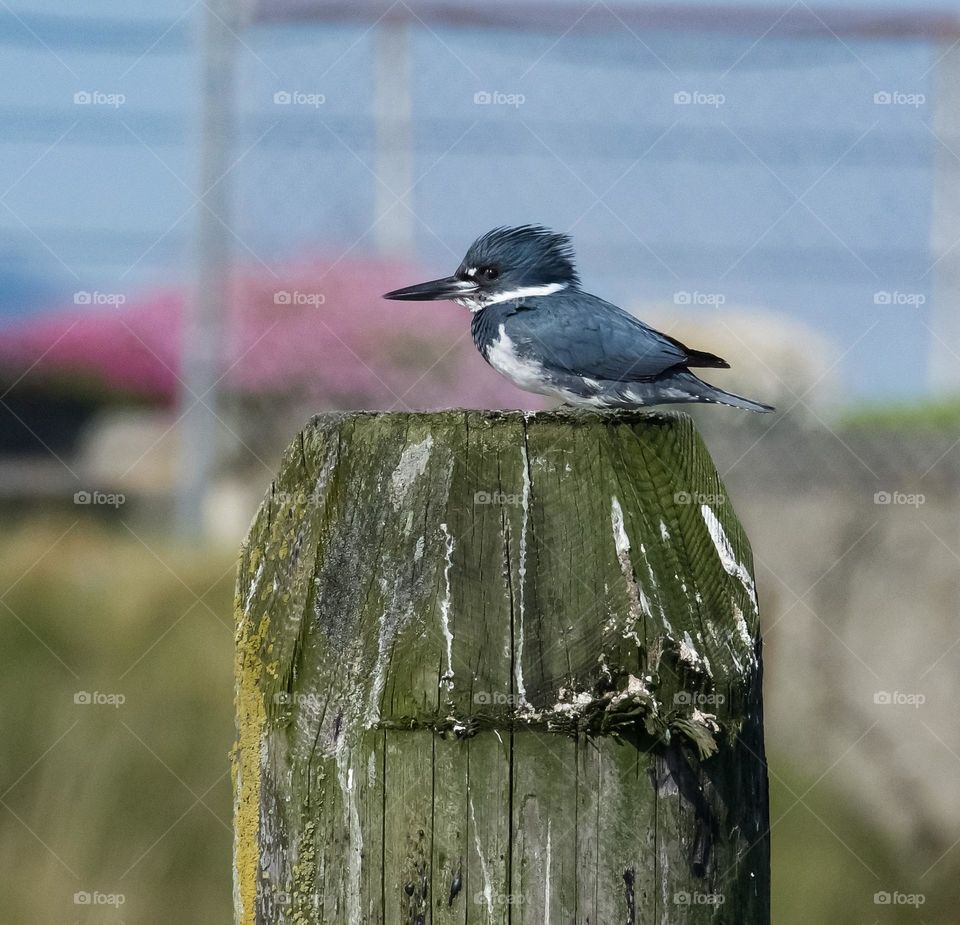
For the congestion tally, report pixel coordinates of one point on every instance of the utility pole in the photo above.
(394, 231)
(206, 309)
(944, 356)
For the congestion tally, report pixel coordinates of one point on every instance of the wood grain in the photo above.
(498, 668)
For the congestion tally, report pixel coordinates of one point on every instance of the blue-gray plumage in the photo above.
(533, 323)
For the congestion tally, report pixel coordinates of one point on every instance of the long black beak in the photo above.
(447, 288)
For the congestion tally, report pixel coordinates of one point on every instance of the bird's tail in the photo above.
(705, 392)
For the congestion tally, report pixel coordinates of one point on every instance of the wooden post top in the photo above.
(631, 591)
(462, 573)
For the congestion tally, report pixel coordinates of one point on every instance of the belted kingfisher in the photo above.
(534, 324)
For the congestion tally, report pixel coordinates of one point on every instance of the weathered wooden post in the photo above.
(496, 667)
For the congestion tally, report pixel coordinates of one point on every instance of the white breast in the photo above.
(527, 374)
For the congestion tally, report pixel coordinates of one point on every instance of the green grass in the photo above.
(103, 798)
(830, 858)
(131, 800)
(933, 414)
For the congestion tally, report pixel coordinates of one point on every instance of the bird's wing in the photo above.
(585, 336)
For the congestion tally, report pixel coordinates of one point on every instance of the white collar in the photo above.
(524, 292)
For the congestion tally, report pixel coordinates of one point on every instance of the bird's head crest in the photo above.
(522, 256)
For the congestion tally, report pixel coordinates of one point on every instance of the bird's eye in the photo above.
(489, 272)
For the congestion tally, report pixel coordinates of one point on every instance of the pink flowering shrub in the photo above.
(317, 333)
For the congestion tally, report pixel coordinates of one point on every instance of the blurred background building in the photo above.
(201, 205)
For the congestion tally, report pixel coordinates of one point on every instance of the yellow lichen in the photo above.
(305, 875)
(245, 769)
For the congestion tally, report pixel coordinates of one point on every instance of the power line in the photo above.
(90, 33)
(549, 16)
(886, 148)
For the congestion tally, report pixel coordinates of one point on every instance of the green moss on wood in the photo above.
(453, 629)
